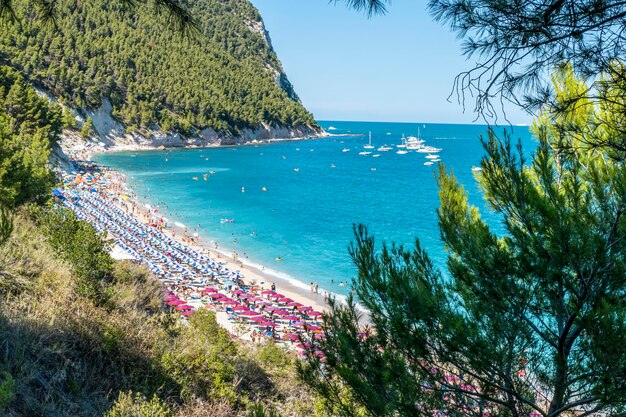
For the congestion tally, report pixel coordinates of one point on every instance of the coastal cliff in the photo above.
(144, 84)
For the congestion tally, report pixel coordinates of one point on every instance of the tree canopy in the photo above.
(529, 323)
(226, 77)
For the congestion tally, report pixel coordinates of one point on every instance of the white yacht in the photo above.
(369, 144)
(384, 148)
(345, 150)
(429, 163)
(430, 156)
(365, 153)
(402, 152)
(376, 155)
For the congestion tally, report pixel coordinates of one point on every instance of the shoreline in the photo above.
(252, 272)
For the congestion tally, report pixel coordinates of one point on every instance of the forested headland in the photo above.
(224, 75)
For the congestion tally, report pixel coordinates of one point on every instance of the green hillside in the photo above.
(225, 77)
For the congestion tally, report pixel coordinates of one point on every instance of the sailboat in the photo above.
(403, 142)
(369, 144)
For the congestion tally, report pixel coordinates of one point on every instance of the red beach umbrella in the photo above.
(229, 302)
(176, 302)
(248, 313)
(306, 308)
(281, 312)
(257, 319)
(238, 292)
(294, 304)
(272, 308)
(267, 324)
(313, 328)
(277, 295)
(240, 308)
(187, 313)
(285, 300)
(291, 318)
(314, 313)
(183, 307)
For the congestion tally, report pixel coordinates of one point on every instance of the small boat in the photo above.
(331, 128)
(296, 169)
(476, 169)
(195, 178)
(369, 144)
(333, 166)
(430, 156)
(227, 220)
(365, 153)
(372, 169)
(429, 163)
(279, 259)
(384, 148)
(376, 155)
(263, 189)
(345, 150)
(402, 152)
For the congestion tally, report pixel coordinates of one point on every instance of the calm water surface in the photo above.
(301, 199)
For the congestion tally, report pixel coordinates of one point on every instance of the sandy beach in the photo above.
(144, 212)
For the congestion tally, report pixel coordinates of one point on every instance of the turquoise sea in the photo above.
(314, 193)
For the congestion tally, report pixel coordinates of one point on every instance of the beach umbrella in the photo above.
(291, 318)
(297, 324)
(293, 336)
(256, 299)
(217, 295)
(268, 292)
(294, 304)
(314, 313)
(229, 302)
(258, 319)
(272, 308)
(248, 313)
(176, 302)
(187, 313)
(276, 295)
(245, 295)
(183, 307)
(281, 312)
(306, 308)
(267, 324)
(239, 292)
(320, 336)
(208, 290)
(240, 308)
(313, 328)
(285, 300)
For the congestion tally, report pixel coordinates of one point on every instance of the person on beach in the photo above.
(317, 288)
(273, 287)
(312, 287)
(325, 296)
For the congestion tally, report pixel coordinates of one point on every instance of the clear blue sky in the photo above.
(344, 66)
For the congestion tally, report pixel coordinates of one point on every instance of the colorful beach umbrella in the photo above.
(267, 324)
(240, 308)
(285, 300)
(176, 302)
(306, 308)
(291, 318)
(258, 319)
(268, 292)
(238, 292)
(183, 307)
(294, 304)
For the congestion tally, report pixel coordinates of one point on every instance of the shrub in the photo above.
(136, 405)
